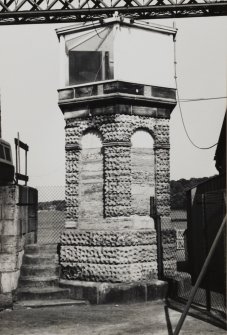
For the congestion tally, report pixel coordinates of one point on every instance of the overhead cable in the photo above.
(202, 99)
(179, 104)
(93, 23)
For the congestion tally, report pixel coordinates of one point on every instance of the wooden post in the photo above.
(0, 116)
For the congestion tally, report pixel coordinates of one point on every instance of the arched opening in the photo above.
(91, 140)
(143, 181)
(91, 179)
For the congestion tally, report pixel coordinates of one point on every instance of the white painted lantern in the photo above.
(117, 49)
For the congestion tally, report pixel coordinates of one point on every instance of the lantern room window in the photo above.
(88, 66)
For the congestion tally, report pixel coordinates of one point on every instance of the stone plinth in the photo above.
(109, 235)
(109, 256)
(17, 227)
(101, 293)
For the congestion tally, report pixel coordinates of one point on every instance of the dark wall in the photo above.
(206, 210)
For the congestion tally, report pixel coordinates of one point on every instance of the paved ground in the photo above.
(134, 319)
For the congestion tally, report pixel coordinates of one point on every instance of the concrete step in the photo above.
(41, 249)
(102, 293)
(40, 270)
(31, 281)
(42, 293)
(40, 259)
(23, 304)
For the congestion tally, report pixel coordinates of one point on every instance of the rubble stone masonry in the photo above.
(116, 241)
(17, 227)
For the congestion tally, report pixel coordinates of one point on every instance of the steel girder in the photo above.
(50, 11)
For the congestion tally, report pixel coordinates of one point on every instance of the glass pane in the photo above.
(2, 154)
(85, 67)
(7, 153)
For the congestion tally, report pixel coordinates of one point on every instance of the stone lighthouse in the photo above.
(117, 95)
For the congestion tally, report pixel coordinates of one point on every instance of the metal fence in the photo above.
(51, 214)
(208, 303)
(183, 277)
(179, 223)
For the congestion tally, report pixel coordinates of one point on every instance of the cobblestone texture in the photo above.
(106, 255)
(108, 238)
(118, 273)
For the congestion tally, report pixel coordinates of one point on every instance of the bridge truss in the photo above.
(50, 11)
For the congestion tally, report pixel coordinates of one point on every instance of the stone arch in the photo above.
(91, 178)
(142, 128)
(142, 137)
(92, 133)
(143, 171)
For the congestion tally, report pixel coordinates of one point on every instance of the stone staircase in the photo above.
(39, 279)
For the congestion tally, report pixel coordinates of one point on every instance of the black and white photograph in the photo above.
(113, 167)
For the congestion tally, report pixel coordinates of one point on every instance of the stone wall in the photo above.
(17, 227)
(116, 132)
(110, 250)
(109, 256)
(117, 179)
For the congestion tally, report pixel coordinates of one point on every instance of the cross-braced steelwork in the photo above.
(49, 11)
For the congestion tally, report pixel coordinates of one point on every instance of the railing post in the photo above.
(157, 222)
(159, 247)
(207, 288)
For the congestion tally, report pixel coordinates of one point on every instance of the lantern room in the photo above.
(117, 49)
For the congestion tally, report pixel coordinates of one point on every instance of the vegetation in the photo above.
(178, 190)
(58, 205)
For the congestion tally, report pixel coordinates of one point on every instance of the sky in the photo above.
(29, 79)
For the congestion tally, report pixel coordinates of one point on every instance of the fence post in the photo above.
(208, 293)
(159, 247)
(157, 222)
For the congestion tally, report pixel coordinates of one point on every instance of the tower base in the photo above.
(102, 293)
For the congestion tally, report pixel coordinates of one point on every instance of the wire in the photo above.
(93, 23)
(179, 104)
(96, 75)
(202, 99)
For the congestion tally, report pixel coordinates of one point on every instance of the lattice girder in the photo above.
(47, 11)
